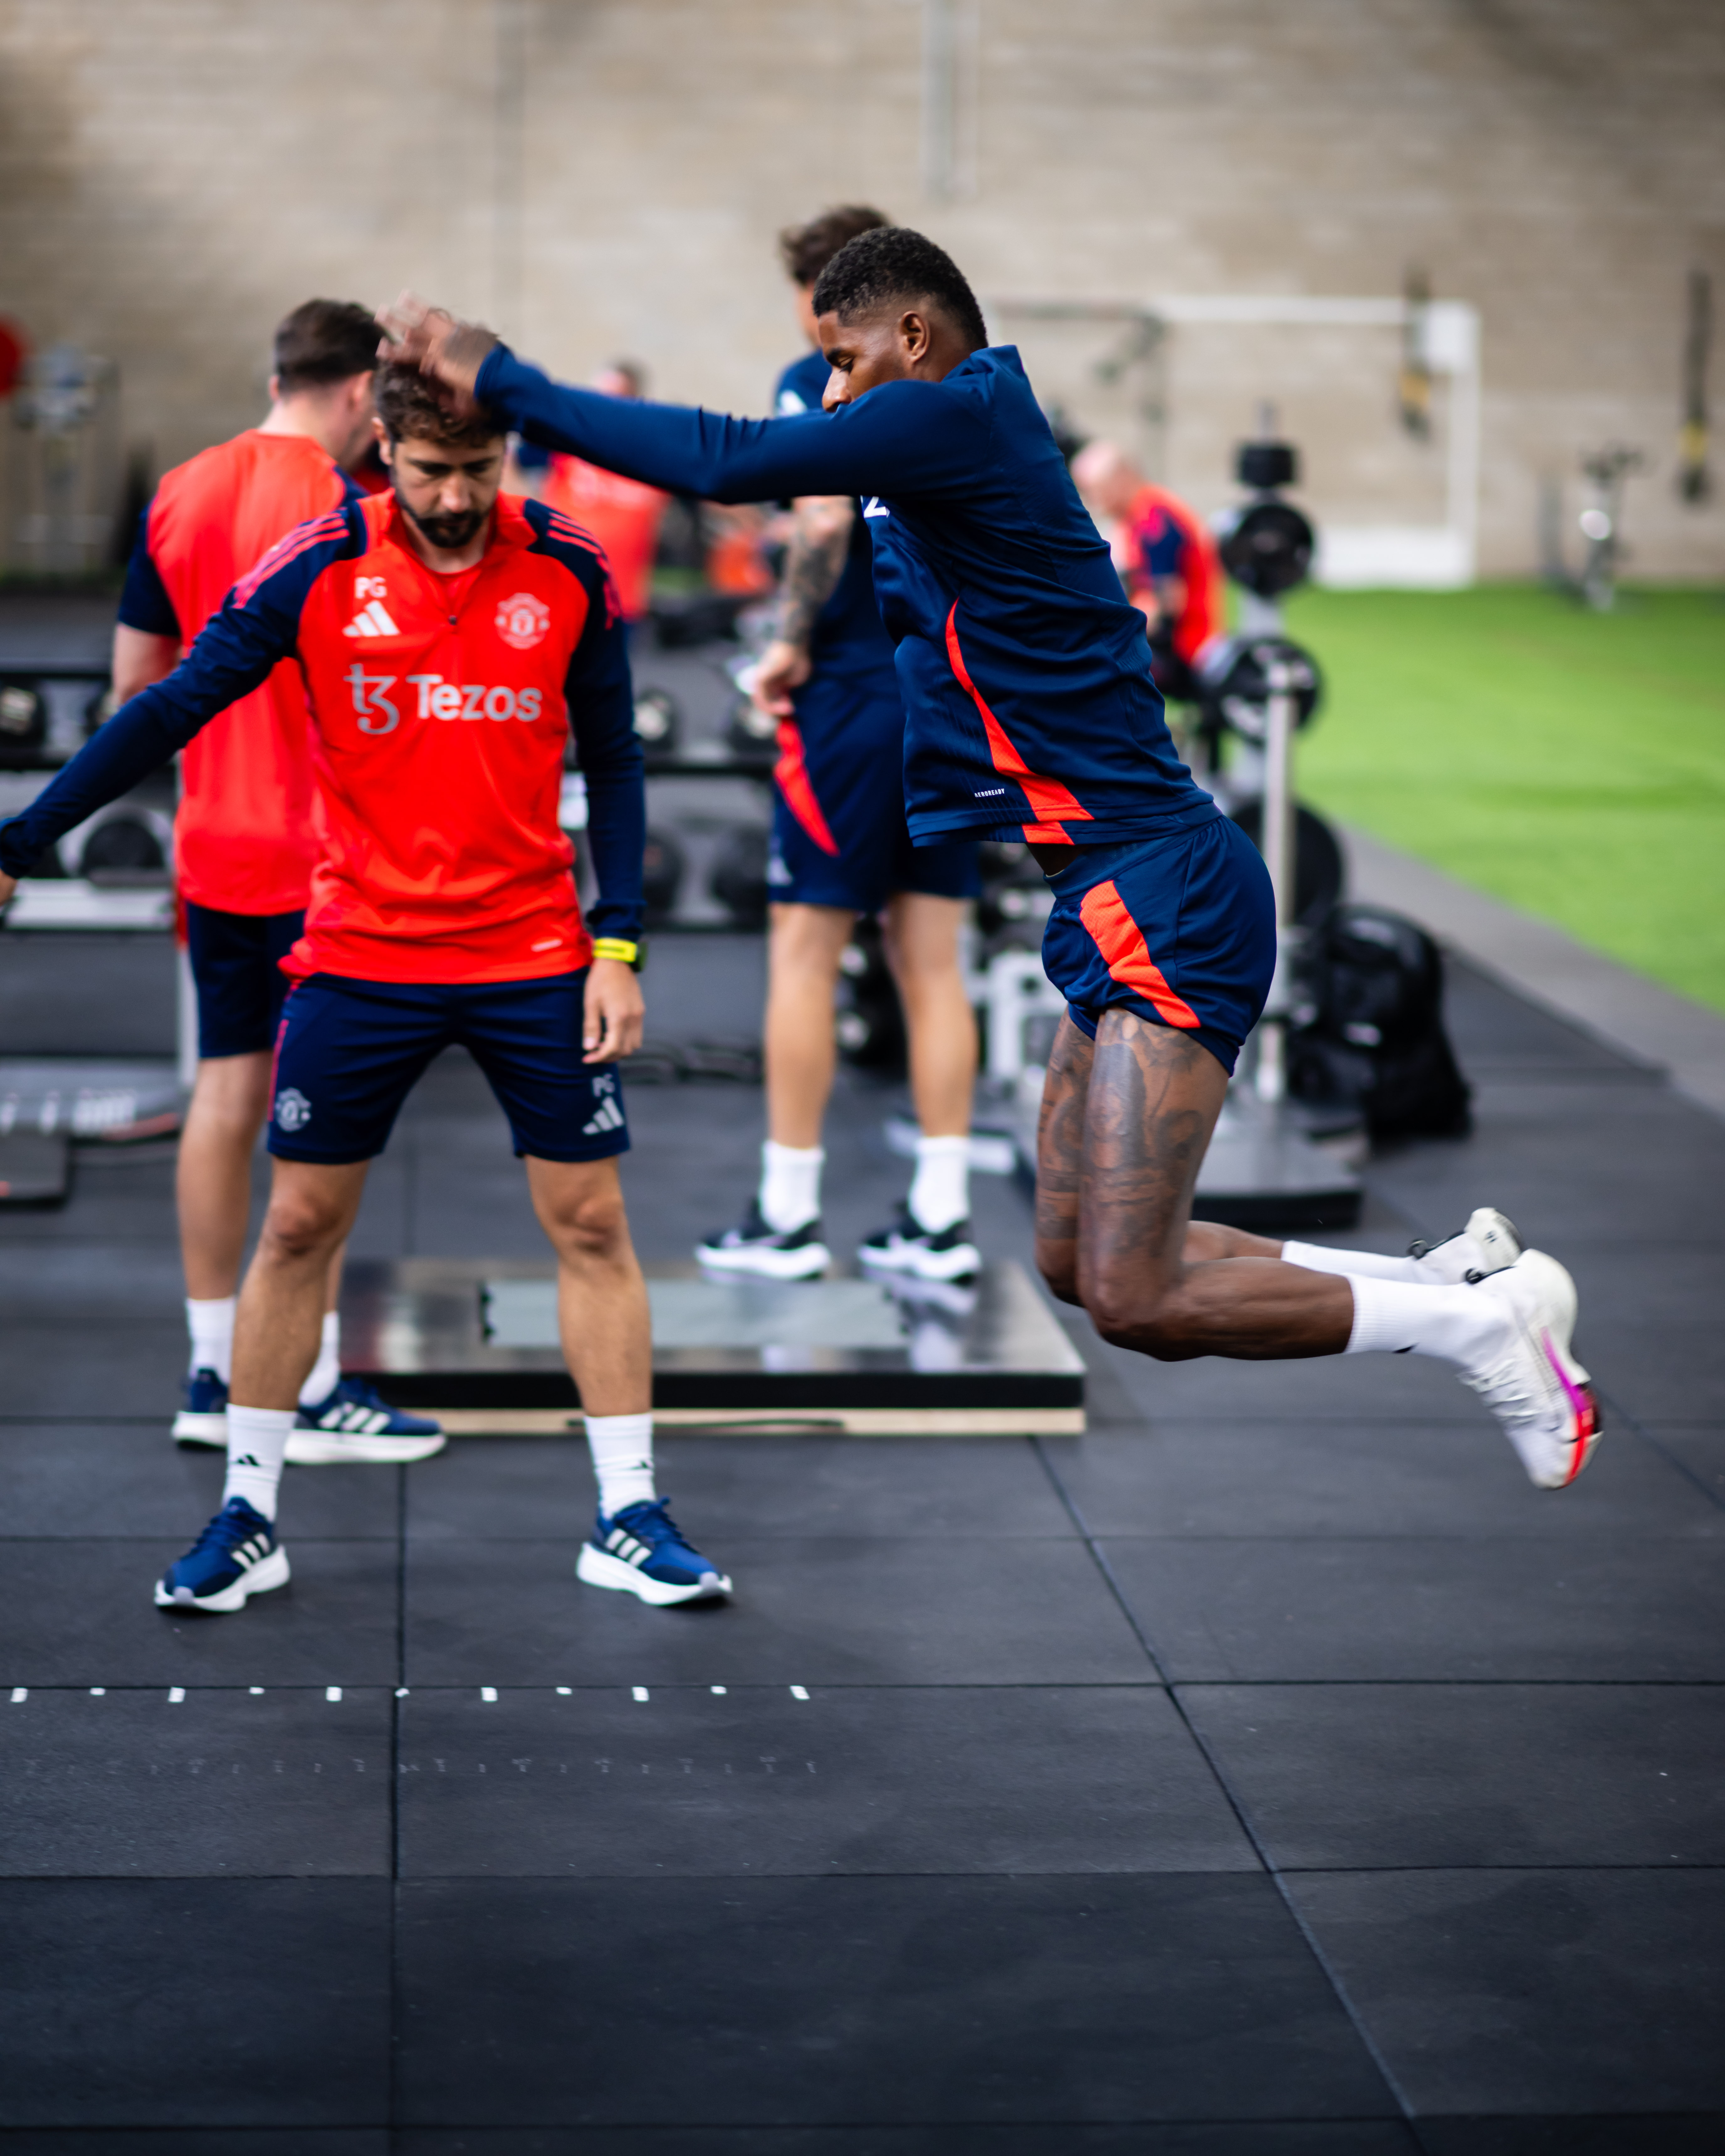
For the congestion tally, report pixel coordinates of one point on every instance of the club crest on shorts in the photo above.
(293, 1110)
(523, 621)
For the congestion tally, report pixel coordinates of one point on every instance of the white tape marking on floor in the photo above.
(98, 1692)
(20, 1693)
(562, 1692)
(332, 1691)
(797, 1691)
(639, 1691)
(176, 1695)
(488, 1694)
(401, 1692)
(256, 1691)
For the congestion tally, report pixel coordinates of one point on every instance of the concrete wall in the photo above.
(601, 176)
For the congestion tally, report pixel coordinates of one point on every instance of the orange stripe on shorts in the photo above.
(1119, 939)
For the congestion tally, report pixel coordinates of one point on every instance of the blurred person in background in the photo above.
(244, 844)
(624, 516)
(1167, 559)
(841, 848)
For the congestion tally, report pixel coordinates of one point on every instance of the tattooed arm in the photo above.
(812, 567)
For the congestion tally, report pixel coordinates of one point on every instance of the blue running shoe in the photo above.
(203, 1420)
(356, 1422)
(235, 1556)
(643, 1551)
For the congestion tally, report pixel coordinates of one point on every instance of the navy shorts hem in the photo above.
(236, 970)
(1225, 1049)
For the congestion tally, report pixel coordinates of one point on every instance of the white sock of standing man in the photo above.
(940, 1190)
(326, 1370)
(621, 1449)
(257, 1445)
(790, 1186)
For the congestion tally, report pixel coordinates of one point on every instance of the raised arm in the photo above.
(904, 438)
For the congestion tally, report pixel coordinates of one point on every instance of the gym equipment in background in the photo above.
(738, 877)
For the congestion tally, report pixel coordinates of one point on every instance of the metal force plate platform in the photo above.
(475, 1342)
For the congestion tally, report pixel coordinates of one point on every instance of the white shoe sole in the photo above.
(802, 1264)
(191, 1429)
(1549, 1331)
(332, 1448)
(598, 1567)
(269, 1572)
(961, 1262)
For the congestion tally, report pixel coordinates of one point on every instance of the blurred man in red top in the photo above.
(621, 513)
(1167, 560)
(243, 840)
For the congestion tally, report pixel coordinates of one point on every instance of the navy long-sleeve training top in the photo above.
(1030, 708)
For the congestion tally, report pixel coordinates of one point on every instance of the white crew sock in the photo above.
(622, 1449)
(326, 1370)
(1357, 1264)
(257, 1443)
(211, 1326)
(790, 1185)
(1458, 1324)
(940, 1191)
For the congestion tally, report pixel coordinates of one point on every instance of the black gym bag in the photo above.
(1368, 1028)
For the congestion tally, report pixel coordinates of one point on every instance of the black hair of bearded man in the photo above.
(895, 264)
(324, 341)
(412, 407)
(807, 248)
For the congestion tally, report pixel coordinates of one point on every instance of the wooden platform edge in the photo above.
(815, 1422)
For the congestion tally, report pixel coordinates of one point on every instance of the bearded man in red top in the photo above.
(448, 636)
(244, 845)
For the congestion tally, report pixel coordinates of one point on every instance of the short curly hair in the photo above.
(896, 264)
(411, 405)
(806, 249)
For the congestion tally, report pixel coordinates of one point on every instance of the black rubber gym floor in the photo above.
(1270, 1770)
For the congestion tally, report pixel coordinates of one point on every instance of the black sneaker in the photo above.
(908, 1247)
(754, 1248)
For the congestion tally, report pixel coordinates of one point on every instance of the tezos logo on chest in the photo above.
(523, 621)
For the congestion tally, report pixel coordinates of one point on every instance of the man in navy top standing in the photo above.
(1031, 711)
(841, 849)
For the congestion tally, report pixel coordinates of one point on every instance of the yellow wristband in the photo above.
(614, 946)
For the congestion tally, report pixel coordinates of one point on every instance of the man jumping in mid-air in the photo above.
(1031, 712)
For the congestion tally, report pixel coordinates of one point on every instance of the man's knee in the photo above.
(1058, 1264)
(1146, 1316)
(302, 1225)
(590, 1223)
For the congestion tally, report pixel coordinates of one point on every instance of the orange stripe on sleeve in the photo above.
(1047, 797)
(1117, 936)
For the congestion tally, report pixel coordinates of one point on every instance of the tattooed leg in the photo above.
(1060, 1159)
(1147, 1279)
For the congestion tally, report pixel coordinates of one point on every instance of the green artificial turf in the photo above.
(1571, 763)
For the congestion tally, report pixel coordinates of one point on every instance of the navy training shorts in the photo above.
(839, 836)
(1179, 929)
(349, 1053)
(237, 970)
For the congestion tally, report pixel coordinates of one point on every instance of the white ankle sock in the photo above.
(211, 1326)
(1458, 1324)
(1357, 1264)
(790, 1185)
(622, 1449)
(940, 1191)
(257, 1442)
(326, 1370)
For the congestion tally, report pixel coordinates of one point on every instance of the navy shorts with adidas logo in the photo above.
(348, 1053)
